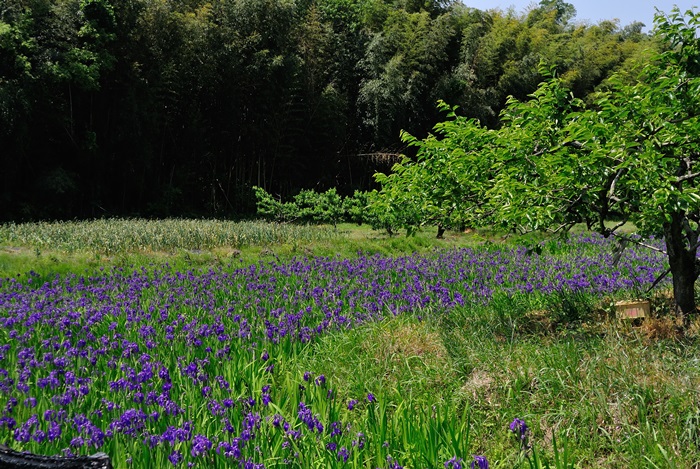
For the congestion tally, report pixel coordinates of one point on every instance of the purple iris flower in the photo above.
(343, 454)
(200, 445)
(479, 462)
(519, 428)
(393, 464)
(175, 458)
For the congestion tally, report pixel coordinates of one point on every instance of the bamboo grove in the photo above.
(181, 107)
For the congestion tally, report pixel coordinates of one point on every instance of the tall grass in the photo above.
(112, 236)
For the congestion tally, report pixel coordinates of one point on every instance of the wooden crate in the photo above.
(632, 309)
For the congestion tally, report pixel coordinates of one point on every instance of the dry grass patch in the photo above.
(411, 340)
(661, 328)
(479, 386)
(410, 355)
(396, 357)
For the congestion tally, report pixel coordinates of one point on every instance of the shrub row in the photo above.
(311, 207)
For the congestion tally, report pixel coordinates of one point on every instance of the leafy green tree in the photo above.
(501, 53)
(557, 12)
(356, 207)
(445, 184)
(631, 156)
(179, 107)
(58, 54)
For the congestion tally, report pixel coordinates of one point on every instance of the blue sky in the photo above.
(593, 11)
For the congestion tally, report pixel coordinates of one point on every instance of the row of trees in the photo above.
(632, 153)
(180, 107)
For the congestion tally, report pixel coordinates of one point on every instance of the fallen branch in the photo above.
(10, 459)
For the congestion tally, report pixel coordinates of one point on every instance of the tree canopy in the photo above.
(162, 108)
(630, 153)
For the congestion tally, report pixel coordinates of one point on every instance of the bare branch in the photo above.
(659, 279)
(694, 246)
(564, 227)
(687, 177)
(611, 191)
(616, 227)
(640, 243)
(617, 200)
(382, 157)
(618, 250)
(576, 144)
(690, 234)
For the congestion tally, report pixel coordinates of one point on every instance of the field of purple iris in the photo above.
(162, 368)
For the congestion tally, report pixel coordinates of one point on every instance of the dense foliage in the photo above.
(312, 207)
(629, 155)
(148, 107)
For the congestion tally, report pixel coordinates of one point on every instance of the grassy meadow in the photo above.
(196, 343)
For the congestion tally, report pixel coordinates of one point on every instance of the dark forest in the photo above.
(178, 108)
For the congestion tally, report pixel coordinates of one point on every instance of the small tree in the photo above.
(445, 184)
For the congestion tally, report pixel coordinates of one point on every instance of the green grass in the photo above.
(113, 236)
(80, 246)
(403, 358)
(619, 396)
(51, 248)
(616, 395)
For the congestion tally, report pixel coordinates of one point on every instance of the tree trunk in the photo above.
(681, 260)
(441, 232)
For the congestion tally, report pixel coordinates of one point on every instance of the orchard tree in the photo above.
(445, 184)
(633, 155)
